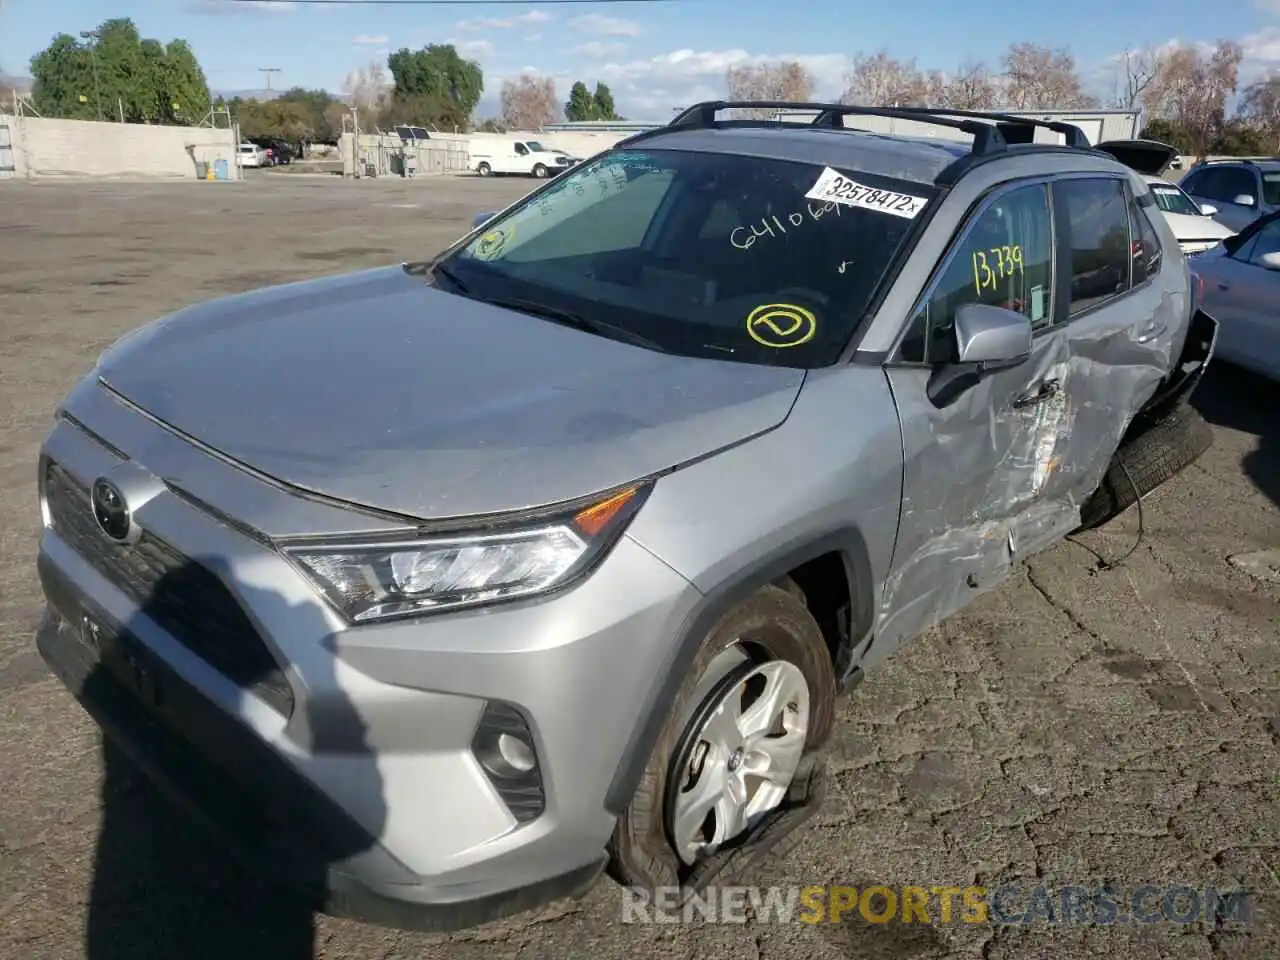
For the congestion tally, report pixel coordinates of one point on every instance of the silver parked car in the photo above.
(1241, 189)
(466, 580)
(1242, 292)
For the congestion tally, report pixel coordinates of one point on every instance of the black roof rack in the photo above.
(701, 116)
(1075, 137)
(1247, 160)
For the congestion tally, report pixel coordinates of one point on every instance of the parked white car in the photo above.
(1193, 223)
(251, 155)
(529, 158)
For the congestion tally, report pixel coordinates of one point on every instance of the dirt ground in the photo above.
(1077, 726)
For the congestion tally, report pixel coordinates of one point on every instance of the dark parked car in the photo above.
(278, 151)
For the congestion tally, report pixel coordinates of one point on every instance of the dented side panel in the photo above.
(981, 488)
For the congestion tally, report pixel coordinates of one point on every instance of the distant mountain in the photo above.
(262, 95)
(246, 94)
(11, 81)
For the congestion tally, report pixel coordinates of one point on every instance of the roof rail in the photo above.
(1249, 160)
(701, 116)
(1074, 135)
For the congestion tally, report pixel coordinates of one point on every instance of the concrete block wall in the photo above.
(83, 148)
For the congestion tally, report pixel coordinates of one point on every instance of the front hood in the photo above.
(377, 389)
(1187, 227)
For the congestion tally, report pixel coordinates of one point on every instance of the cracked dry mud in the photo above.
(1075, 726)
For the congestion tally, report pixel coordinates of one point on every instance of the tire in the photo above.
(484, 170)
(1144, 462)
(773, 625)
(540, 171)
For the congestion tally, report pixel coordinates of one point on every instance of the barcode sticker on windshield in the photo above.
(835, 187)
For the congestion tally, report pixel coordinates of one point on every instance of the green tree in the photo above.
(1240, 138)
(284, 119)
(603, 100)
(62, 80)
(1166, 131)
(581, 105)
(117, 75)
(319, 106)
(435, 85)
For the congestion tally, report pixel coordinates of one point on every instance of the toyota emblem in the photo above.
(111, 511)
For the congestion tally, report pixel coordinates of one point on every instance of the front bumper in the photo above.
(358, 783)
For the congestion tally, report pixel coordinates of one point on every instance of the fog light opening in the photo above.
(504, 747)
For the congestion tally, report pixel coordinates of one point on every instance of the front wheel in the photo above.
(740, 763)
(540, 171)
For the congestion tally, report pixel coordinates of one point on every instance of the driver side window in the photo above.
(1266, 241)
(1004, 259)
(522, 150)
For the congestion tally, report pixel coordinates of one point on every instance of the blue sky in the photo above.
(653, 56)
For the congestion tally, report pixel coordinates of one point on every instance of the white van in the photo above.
(526, 157)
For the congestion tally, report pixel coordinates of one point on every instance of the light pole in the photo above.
(93, 54)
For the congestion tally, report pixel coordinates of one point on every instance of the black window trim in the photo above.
(1140, 211)
(967, 224)
(1088, 311)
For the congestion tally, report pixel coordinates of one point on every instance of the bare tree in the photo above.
(879, 80)
(1043, 78)
(1191, 90)
(368, 86)
(972, 88)
(780, 80)
(1135, 72)
(1260, 106)
(529, 103)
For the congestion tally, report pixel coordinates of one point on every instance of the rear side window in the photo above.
(1004, 259)
(1093, 218)
(1148, 254)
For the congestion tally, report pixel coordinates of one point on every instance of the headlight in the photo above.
(378, 580)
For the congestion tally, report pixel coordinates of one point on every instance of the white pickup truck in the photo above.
(529, 158)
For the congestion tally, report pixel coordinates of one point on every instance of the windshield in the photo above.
(1271, 187)
(743, 258)
(1170, 199)
(535, 146)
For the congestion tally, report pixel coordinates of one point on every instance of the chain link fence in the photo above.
(386, 155)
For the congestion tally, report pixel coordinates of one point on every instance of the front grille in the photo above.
(178, 594)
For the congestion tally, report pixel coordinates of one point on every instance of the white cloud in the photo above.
(1268, 6)
(596, 49)
(649, 89)
(504, 23)
(1261, 53)
(609, 26)
(370, 40)
(472, 49)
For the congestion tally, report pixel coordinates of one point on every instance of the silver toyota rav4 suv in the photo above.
(442, 588)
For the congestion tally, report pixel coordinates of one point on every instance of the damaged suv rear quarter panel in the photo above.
(986, 484)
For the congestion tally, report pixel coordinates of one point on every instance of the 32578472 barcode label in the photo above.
(835, 187)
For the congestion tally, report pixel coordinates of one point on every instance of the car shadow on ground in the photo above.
(164, 884)
(1239, 400)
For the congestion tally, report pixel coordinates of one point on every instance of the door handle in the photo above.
(1046, 390)
(1224, 286)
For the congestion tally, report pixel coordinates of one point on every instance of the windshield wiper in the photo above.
(575, 320)
(449, 274)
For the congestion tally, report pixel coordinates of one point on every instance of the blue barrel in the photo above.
(220, 170)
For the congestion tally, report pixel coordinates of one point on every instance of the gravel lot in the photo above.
(1078, 725)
